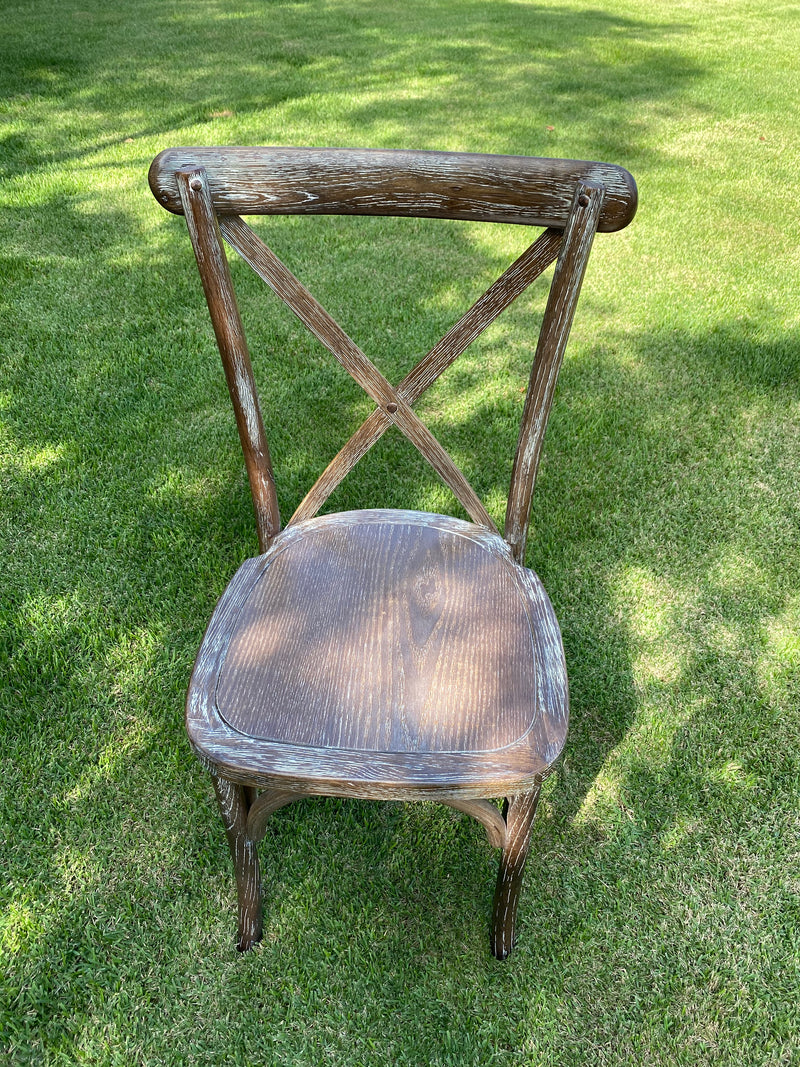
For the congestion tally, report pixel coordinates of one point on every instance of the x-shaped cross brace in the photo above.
(393, 404)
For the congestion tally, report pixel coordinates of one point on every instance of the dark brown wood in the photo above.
(394, 636)
(519, 818)
(386, 654)
(310, 312)
(204, 232)
(475, 766)
(355, 181)
(265, 805)
(487, 814)
(232, 801)
(524, 270)
(557, 322)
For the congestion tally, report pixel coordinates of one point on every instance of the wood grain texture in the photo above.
(524, 270)
(201, 222)
(342, 181)
(557, 322)
(232, 802)
(317, 320)
(487, 814)
(409, 773)
(385, 654)
(519, 820)
(392, 636)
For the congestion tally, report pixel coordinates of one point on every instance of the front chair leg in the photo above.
(519, 817)
(233, 807)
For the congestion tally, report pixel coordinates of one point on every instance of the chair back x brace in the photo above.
(385, 654)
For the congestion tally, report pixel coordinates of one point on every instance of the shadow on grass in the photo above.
(582, 75)
(661, 481)
(656, 489)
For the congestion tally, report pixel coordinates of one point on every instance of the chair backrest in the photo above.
(572, 200)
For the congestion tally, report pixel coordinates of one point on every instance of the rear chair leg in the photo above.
(233, 807)
(519, 817)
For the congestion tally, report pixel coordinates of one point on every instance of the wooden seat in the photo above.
(385, 654)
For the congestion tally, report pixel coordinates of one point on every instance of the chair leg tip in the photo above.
(249, 939)
(247, 943)
(501, 948)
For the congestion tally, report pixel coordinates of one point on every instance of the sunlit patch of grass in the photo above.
(18, 925)
(660, 918)
(778, 665)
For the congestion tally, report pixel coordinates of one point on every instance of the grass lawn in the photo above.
(660, 921)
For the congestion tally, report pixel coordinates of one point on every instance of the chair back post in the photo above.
(384, 653)
(571, 199)
(564, 291)
(201, 221)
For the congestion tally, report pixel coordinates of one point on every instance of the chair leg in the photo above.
(519, 817)
(233, 807)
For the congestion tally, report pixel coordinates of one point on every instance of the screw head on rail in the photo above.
(196, 184)
(583, 200)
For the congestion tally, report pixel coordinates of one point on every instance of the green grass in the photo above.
(660, 918)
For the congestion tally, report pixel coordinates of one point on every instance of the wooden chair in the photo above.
(385, 654)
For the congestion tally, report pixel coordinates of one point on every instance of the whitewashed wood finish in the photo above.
(201, 222)
(342, 181)
(380, 775)
(265, 805)
(233, 809)
(503, 755)
(485, 813)
(519, 820)
(317, 320)
(524, 270)
(557, 322)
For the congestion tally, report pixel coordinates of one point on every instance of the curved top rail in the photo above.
(354, 181)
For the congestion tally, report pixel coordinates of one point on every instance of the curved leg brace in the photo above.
(233, 807)
(519, 817)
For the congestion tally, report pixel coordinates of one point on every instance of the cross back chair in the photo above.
(385, 654)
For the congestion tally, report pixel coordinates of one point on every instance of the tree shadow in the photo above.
(105, 71)
(135, 506)
(624, 500)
